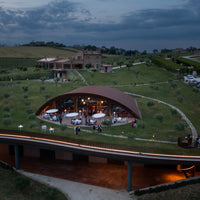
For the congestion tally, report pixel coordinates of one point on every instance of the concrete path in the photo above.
(79, 191)
(83, 79)
(193, 129)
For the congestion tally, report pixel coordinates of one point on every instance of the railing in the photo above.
(68, 139)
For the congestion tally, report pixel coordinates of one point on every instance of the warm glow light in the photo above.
(82, 100)
(88, 98)
(101, 102)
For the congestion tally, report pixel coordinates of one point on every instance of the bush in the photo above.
(107, 121)
(6, 115)
(180, 99)
(50, 193)
(27, 103)
(6, 108)
(141, 124)
(150, 103)
(29, 110)
(159, 117)
(25, 96)
(21, 183)
(7, 121)
(33, 124)
(180, 126)
(131, 136)
(31, 116)
(42, 88)
(174, 112)
(47, 96)
(25, 88)
(6, 95)
(63, 127)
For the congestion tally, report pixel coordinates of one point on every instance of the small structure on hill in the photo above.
(81, 60)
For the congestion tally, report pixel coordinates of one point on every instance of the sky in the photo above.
(128, 24)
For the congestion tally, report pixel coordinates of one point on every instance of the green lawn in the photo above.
(14, 186)
(33, 52)
(18, 106)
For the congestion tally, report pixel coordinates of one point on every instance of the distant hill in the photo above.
(35, 52)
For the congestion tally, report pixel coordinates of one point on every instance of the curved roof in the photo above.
(112, 94)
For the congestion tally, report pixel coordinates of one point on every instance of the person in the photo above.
(60, 119)
(79, 130)
(94, 128)
(76, 130)
(132, 124)
(99, 128)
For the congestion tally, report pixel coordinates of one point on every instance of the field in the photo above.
(14, 186)
(33, 52)
(19, 100)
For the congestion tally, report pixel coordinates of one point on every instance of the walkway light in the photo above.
(20, 127)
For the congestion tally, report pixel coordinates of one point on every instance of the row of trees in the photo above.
(105, 50)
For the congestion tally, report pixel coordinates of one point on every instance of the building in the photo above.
(81, 60)
(90, 100)
(106, 68)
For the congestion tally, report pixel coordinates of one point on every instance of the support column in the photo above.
(129, 177)
(16, 156)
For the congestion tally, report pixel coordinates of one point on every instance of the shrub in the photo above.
(25, 96)
(31, 116)
(6, 115)
(27, 103)
(174, 112)
(6, 108)
(25, 88)
(47, 96)
(115, 82)
(180, 126)
(50, 193)
(159, 117)
(107, 121)
(7, 121)
(63, 127)
(131, 136)
(180, 99)
(6, 95)
(42, 88)
(141, 124)
(178, 91)
(150, 103)
(21, 183)
(33, 124)
(29, 110)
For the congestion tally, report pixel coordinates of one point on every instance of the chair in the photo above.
(44, 128)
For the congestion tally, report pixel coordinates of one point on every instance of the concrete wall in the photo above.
(60, 155)
(93, 159)
(31, 152)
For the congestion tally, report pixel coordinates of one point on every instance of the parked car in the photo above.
(198, 85)
(189, 79)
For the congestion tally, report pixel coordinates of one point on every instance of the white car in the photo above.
(189, 79)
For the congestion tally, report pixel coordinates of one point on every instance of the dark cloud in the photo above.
(66, 21)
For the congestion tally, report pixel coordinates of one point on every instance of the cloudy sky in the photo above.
(129, 24)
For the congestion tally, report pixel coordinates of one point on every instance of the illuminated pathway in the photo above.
(124, 155)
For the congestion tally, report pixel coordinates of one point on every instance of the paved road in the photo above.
(79, 191)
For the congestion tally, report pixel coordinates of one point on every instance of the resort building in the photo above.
(81, 60)
(91, 102)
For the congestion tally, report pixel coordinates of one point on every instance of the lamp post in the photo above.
(20, 127)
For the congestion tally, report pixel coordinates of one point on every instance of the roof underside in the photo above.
(106, 92)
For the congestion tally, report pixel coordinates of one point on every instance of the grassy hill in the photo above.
(34, 52)
(15, 186)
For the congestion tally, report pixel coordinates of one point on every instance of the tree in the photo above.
(155, 51)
